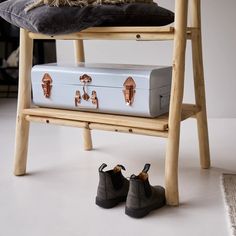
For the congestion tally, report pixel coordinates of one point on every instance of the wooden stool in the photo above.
(167, 126)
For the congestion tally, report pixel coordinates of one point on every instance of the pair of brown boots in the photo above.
(141, 198)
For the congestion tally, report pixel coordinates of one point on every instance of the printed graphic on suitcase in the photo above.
(135, 90)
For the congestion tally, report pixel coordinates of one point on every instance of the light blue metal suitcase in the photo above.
(109, 88)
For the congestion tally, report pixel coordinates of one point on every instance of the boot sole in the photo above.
(139, 213)
(109, 203)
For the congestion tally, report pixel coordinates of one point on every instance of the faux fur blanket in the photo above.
(80, 3)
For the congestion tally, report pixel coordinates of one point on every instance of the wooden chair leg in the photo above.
(79, 57)
(24, 100)
(88, 145)
(177, 87)
(199, 86)
(171, 168)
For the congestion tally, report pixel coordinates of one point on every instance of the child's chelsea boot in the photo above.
(142, 197)
(112, 188)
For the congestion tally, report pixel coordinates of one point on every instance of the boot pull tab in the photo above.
(118, 168)
(144, 175)
(146, 168)
(102, 167)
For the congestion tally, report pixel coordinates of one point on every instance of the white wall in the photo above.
(219, 48)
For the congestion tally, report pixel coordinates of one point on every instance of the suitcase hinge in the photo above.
(47, 85)
(85, 79)
(129, 91)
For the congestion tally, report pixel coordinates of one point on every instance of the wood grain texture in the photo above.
(118, 33)
(199, 85)
(24, 101)
(56, 121)
(172, 152)
(131, 130)
(128, 121)
(88, 144)
(135, 29)
(158, 124)
(107, 36)
(79, 51)
(96, 126)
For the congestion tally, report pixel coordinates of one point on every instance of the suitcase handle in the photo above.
(85, 79)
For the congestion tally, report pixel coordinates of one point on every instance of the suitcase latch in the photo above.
(47, 85)
(129, 91)
(85, 79)
(94, 99)
(77, 98)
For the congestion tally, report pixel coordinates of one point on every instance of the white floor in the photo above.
(57, 196)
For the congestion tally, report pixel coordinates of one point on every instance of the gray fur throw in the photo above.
(80, 3)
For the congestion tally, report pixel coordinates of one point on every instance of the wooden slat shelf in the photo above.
(118, 33)
(120, 29)
(150, 126)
